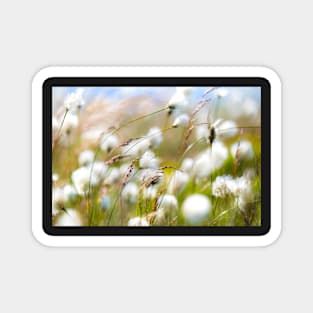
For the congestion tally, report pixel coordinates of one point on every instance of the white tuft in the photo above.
(196, 208)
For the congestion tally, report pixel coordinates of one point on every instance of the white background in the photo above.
(35, 34)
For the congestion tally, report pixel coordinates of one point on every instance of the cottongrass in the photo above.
(143, 174)
(196, 208)
(138, 221)
(70, 217)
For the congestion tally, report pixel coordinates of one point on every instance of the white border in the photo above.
(156, 241)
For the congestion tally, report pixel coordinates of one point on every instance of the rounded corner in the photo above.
(42, 237)
(271, 75)
(42, 75)
(272, 236)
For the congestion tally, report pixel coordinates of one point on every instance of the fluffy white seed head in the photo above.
(55, 177)
(227, 129)
(226, 185)
(151, 177)
(196, 208)
(179, 102)
(137, 147)
(187, 165)
(223, 186)
(178, 182)
(86, 157)
(70, 193)
(159, 216)
(55, 125)
(55, 210)
(148, 160)
(112, 177)
(108, 143)
(58, 199)
(155, 137)
(186, 91)
(85, 175)
(74, 100)
(69, 218)
(241, 185)
(98, 171)
(168, 203)
(221, 92)
(130, 192)
(138, 221)
(210, 160)
(202, 167)
(202, 132)
(244, 199)
(242, 150)
(80, 178)
(181, 121)
(70, 123)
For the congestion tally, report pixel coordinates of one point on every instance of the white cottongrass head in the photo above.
(130, 192)
(241, 185)
(137, 147)
(221, 92)
(196, 208)
(178, 182)
(226, 129)
(244, 199)
(202, 132)
(242, 150)
(69, 217)
(177, 103)
(155, 137)
(181, 120)
(70, 123)
(223, 186)
(86, 157)
(61, 196)
(112, 177)
(138, 221)
(55, 210)
(210, 160)
(168, 203)
(180, 100)
(80, 178)
(186, 91)
(202, 167)
(55, 124)
(220, 129)
(55, 177)
(159, 216)
(74, 100)
(108, 143)
(58, 198)
(91, 175)
(148, 160)
(218, 153)
(70, 193)
(187, 165)
(150, 177)
(226, 185)
(98, 171)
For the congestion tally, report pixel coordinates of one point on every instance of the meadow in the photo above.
(182, 158)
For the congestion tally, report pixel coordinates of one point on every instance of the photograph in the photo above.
(149, 156)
